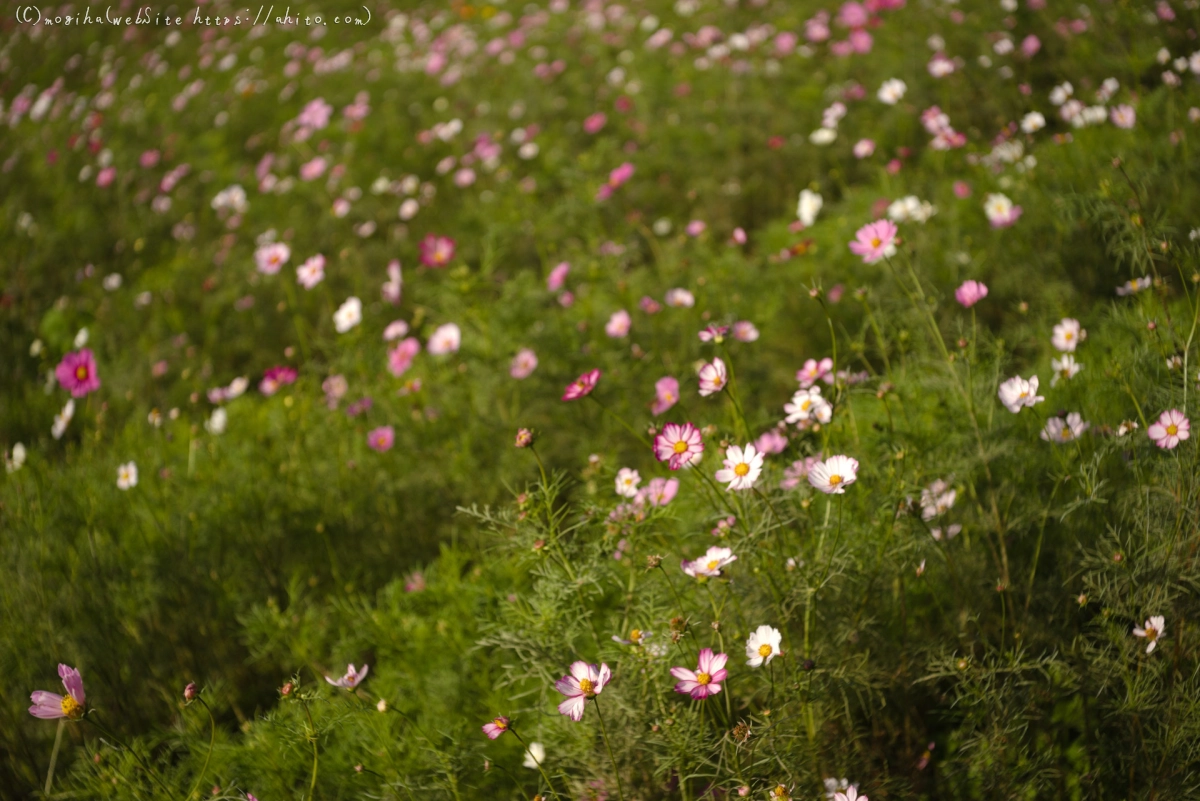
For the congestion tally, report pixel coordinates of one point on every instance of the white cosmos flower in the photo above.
(891, 91)
(833, 475)
(535, 755)
(446, 339)
(1059, 430)
(81, 338)
(809, 207)
(710, 564)
(1067, 335)
(237, 387)
(627, 482)
(1064, 368)
(1016, 393)
(63, 419)
(822, 136)
(348, 315)
(910, 208)
(127, 476)
(742, 468)
(216, 422)
(937, 499)
(1033, 121)
(16, 460)
(713, 377)
(763, 646)
(807, 404)
(1152, 629)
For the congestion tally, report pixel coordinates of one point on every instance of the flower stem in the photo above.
(536, 761)
(604, 733)
(312, 737)
(212, 739)
(54, 755)
(109, 733)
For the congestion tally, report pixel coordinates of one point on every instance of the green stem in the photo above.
(62, 722)
(604, 733)
(312, 738)
(212, 739)
(536, 761)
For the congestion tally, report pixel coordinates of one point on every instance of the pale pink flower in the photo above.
(584, 682)
(313, 169)
(495, 727)
(666, 391)
(1066, 430)
(352, 678)
(713, 333)
(1152, 629)
(1170, 429)
(394, 285)
(523, 364)
(445, 340)
(49, 706)
(744, 331)
(709, 565)
(1016, 393)
(1123, 116)
(678, 445)
(833, 475)
(713, 377)
(659, 492)
(798, 471)
(271, 257)
(315, 114)
(1067, 335)
(813, 371)
(970, 293)
(395, 329)
(581, 386)
(680, 298)
(311, 272)
(558, 276)
(618, 324)
(875, 241)
(696, 227)
(381, 439)
(864, 148)
(400, 358)
(771, 441)
(706, 679)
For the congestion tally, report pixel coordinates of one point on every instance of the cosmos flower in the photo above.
(1133, 286)
(618, 324)
(659, 492)
(271, 257)
(1064, 369)
(713, 377)
(742, 468)
(1170, 429)
(706, 679)
(937, 499)
(352, 678)
(445, 340)
(581, 386)
(583, 683)
(891, 91)
(48, 706)
(1067, 335)
(666, 395)
(1016, 393)
(763, 646)
(558, 276)
(1000, 211)
(627, 482)
(436, 251)
(63, 419)
(523, 364)
(744, 331)
(970, 293)
(833, 475)
(875, 241)
(495, 727)
(393, 287)
(381, 439)
(311, 272)
(534, 755)
(709, 565)
(1059, 430)
(813, 371)
(807, 405)
(400, 358)
(127, 476)
(678, 445)
(680, 298)
(76, 373)
(395, 329)
(348, 315)
(808, 207)
(1151, 630)
(276, 377)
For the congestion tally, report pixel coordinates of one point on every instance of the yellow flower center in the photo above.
(1068, 336)
(81, 372)
(587, 687)
(764, 650)
(635, 636)
(501, 723)
(834, 480)
(680, 446)
(72, 708)
(876, 242)
(713, 564)
(1151, 634)
(703, 678)
(805, 404)
(1172, 429)
(742, 469)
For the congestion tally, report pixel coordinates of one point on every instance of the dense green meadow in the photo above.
(644, 391)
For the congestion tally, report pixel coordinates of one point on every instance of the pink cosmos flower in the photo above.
(106, 176)
(812, 371)
(381, 439)
(581, 386)
(696, 227)
(706, 680)
(312, 272)
(680, 298)
(315, 115)
(863, 148)
(771, 441)
(970, 293)
(495, 727)
(558, 276)
(276, 377)
(649, 305)
(617, 326)
(352, 678)
(798, 471)
(713, 377)
(875, 241)
(76, 373)
(620, 175)
(594, 123)
(1170, 429)
(582, 683)
(313, 169)
(523, 364)
(395, 329)
(738, 237)
(271, 257)
(659, 492)
(400, 358)
(744, 331)
(713, 333)
(436, 251)
(709, 565)
(666, 391)
(1123, 116)
(678, 445)
(394, 285)
(445, 340)
(48, 706)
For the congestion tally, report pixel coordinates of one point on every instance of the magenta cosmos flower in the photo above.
(381, 439)
(581, 386)
(495, 727)
(678, 445)
(1170, 429)
(875, 241)
(400, 358)
(706, 680)
(275, 378)
(970, 293)
(76, 373)
(352, 678)
(583, 682)
(48, 706)
(436, 251)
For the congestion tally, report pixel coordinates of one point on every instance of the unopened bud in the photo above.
(286, 689)
(190, 692)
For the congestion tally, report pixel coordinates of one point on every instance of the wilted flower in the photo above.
(582, 683)
(706, 679)
(834, 474)
(763, 646)
(1016, 393)
(1152, 629)
(1170, 429)
(48, 706)
(352, 678)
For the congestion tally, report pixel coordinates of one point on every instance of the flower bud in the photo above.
(286, 689)
(524, 438)
(190, 692)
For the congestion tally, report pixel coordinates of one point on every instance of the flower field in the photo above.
(575, 399)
